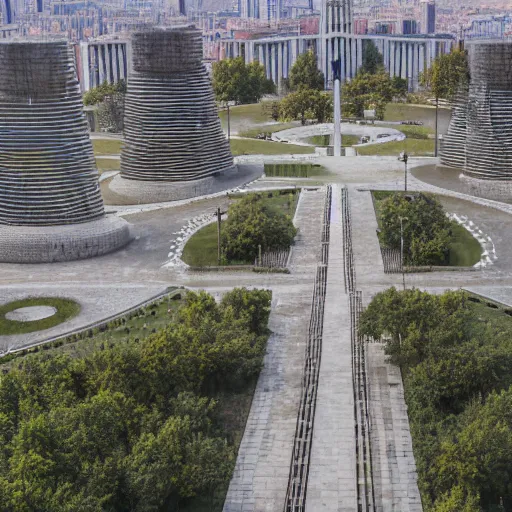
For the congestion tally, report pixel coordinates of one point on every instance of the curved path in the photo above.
(377, 134)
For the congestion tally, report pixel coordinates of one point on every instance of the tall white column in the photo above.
(286, 59)
(260, 54)
(410, 65)
(337, 118)
(101, 63)
(359, 43)
(279, 50)
(403, 69)
(343, 59)
(353, 58)
(392, 58)
(108, 58)
(421, 58)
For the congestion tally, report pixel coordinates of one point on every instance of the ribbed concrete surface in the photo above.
(47, 169)
(479, 139)
(172, 129)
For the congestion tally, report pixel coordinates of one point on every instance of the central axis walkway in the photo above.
(332, 474)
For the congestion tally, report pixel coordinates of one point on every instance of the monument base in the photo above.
(49, 244)
(497, 190)
(147, 192)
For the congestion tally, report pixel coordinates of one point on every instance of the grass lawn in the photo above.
(407, 112)
(201, 248)
(66, 309)
(325, 140)
(465, 250)
(411, 131)
(263, 147)
(253, 112)
(272, 128)
(106, 146)
(108, 164)
(414, 147)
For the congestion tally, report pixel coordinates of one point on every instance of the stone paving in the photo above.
(332, 474)
(261, 474)
(394, 469)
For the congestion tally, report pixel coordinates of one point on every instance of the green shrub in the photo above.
(252, 223)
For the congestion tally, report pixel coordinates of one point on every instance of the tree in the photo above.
(234, 81)
(368, 91)
(306, 104)
(97, 94)
(447, 75)
(373, 61)
(252, 223)
(305, 73)
(425, 232)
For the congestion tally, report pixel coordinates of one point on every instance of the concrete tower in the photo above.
(174, 144)
(479, 138)
(50, 203)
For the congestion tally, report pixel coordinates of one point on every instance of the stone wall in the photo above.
(48, 244)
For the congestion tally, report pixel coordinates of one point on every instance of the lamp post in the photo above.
(402, 248)
(406, 157)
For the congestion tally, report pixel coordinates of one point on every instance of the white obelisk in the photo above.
(336, 75)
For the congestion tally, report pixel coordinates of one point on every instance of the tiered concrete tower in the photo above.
(50, 203)
(174, 144)
(479, 139)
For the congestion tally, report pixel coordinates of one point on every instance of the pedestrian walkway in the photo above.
(394, 469)
(332, 473)
(261, 473)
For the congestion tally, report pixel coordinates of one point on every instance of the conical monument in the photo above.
(479, 139)
(51, 207)
(174, 146)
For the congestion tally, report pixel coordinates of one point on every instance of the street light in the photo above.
(406, 157)
(402, 247)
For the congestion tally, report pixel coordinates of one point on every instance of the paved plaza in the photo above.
(114, 282)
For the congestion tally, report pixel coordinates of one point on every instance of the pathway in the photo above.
(261, 474)
(332, 473)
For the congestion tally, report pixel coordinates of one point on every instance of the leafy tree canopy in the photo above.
(370, 91)
(306, 104)
(251, 223)
(233, 80)
(305, 73)
(425, 227)
(373, 61)
(97, 94)
(448, 73)
(458, 386)
(133, 426)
